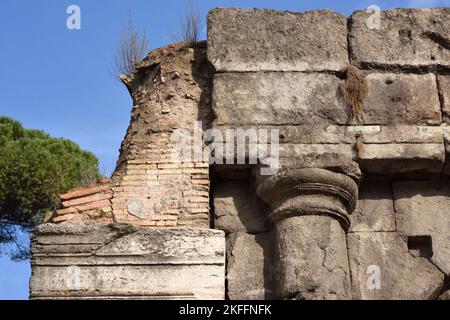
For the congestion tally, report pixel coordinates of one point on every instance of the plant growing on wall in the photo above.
(133, 47)
(189, 28)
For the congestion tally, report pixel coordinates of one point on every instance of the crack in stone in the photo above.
(120, 230)
(437, 38)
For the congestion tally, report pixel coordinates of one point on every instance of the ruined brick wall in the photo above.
(171, 91)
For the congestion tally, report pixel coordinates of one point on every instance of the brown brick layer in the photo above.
(170, 90)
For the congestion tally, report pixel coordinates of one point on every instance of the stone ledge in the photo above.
(72, 261)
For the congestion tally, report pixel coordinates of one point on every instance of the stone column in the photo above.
(309, 221)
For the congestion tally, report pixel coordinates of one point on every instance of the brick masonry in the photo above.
(170, 90)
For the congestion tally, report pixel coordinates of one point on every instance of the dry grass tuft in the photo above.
(354, 90)
(190, 27)
(133, 47)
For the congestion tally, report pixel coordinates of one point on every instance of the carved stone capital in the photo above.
(309, 191)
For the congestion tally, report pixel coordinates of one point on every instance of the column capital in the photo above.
(309, 191)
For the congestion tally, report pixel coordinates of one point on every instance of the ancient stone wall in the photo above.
(122, 261)
(345, 96)
(358, 207)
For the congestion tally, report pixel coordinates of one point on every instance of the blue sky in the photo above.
(56, 79)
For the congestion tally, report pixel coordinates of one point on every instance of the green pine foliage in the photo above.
(35, 169)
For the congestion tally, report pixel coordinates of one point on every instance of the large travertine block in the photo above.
(311, 259)
(278, 99)
(401, 99)
(398, 134)
(423, 209)
(375, 208)
(236, 208)
(405, 38)
(382, 268)
(407, 159)
(249, 266)
(266, 40)
(124, 261)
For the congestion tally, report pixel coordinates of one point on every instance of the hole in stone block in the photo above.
(420, 246)
(395, 99)
(405, 33)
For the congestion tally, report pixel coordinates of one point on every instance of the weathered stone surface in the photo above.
(236, 208)
(339, 134)
(310, 259)
(447, 155)
(249, 266)
(285, 154)
(444, 92)
(406, 37)
(335, 162)
(401, 99)
(256, 40)
(445, 296)
(397, 134)
(297, 98)
(120, 260)
(422, 209)
(308, 191)
(402, 276)
(402, 159)
(375, 208)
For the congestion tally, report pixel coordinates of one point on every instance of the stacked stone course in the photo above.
(291, 71)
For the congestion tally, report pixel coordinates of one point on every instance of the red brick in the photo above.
(81, 192)
(66, 211)
(93, 206)
(93, 198)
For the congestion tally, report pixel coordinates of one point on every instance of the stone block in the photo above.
(311, 259)
(405, 38)
(375, 208)
(422, 209)
(398, 134)
(248, 266)
(401, 99)
(236, 208)
(402, 160)
(382, 268)
(444, 93)
(445, 296)
(123, 261)
(278, 99)
(267, 40)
